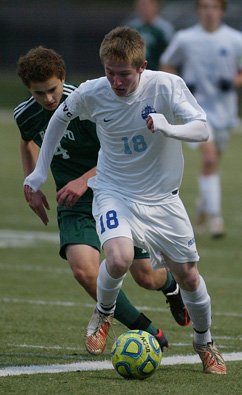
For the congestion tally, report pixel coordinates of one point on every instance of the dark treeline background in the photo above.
(75, 28)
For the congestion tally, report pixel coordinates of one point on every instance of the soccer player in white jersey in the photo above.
(139, 173)
(209, 56)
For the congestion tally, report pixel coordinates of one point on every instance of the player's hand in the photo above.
(37, 202)
(150, 124)
(71, 192)
(225, 85)
(157, 122)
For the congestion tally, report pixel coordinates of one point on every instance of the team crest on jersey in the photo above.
(146, 111)
(223, 52)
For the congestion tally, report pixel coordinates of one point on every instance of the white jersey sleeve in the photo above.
(53, 135)
(173, 54)
(195, 131)
(73, 106)
(208, 61)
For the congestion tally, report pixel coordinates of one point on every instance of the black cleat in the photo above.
(162, 340)
(177, 307)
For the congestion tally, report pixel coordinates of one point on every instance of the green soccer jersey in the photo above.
(78, 149)
(155, 41)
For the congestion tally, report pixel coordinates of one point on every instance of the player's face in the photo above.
(123, 77)
(147, 9)
(48, 93)
(210, 13)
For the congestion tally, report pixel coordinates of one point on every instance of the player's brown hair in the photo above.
(40, 64)
(123, 44)
(223, 4)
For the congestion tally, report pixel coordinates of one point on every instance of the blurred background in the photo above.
(74, 28)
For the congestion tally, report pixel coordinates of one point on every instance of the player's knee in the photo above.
(118, 262)
(209, 165)
(83, 276)
(189, 280)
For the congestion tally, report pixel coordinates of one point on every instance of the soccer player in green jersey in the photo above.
(42, 70)
(153, 28)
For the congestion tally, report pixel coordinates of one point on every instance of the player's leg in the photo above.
(209, 203)
(129, 316)
(84, 261)
(116, 238)
(196, 298)
(159, 280)
(173, 237)
(80, 245)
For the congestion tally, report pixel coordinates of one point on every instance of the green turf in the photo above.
(44, 312)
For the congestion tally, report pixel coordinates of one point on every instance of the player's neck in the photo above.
(211, 27)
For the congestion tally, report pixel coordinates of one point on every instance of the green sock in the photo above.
(152, 330)
(125, 312)
(129, 316)
(170, 284)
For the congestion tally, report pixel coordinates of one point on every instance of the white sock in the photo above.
(107, 290)
(210, 192)
(199, 308)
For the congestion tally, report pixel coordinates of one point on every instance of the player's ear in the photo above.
(143, 67)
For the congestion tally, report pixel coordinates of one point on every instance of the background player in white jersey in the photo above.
(209, 57)
(139, 173)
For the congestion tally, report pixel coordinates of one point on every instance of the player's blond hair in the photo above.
(223, 3)
(123, 44)
(40, 64)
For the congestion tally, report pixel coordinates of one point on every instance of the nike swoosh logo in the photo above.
(107, 120)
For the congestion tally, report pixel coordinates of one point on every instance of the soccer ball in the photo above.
(136, 354)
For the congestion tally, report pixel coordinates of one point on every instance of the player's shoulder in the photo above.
(183, 36)
(26, 110)
(93, 87)
(189, 31)
(231, 32)
(163, 80)
(164, 25)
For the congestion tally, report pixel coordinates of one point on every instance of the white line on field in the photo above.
(57, 347)
(20, 238)
(16, 238)
(91, 305)
(102, 365)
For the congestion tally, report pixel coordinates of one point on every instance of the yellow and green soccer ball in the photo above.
(136, 354)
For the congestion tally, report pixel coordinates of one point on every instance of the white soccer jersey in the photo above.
(205, 58)
(134, 162)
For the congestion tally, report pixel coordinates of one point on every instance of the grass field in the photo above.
(43, 311)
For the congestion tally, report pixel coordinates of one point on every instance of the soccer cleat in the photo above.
(162, 340)
(178, 309)
(216, 227)
(96, 332)
(213, 362)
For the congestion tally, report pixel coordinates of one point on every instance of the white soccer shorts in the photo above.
(159, 229)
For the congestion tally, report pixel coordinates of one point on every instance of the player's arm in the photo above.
(72, 191)
(55, 131)
(194, 131)
(237, 81)
(172, 57)
(36, 200)
(29, 153)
